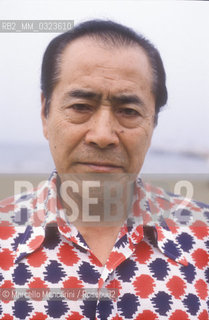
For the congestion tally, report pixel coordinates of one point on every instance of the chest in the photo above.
(146, 284)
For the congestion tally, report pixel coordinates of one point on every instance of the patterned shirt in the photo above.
(158, 267)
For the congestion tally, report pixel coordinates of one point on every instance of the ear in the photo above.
(44, 118)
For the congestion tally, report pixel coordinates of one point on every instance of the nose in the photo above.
(102, 129)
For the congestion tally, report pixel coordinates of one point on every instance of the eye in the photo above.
(81, 107)
(129, 112)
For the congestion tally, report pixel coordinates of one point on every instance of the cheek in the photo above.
(57, 134)
(137, 143)
(58, 129)
(64, 136)
(139, 139)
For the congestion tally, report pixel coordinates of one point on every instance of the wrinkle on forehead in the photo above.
(121, 70)
(113, 98)
(104, 58)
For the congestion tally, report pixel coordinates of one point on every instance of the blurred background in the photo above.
(179, 29)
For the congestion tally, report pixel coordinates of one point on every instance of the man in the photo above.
(112, 247)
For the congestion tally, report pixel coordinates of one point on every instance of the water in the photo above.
(25, 159)
(37, 159)
(175, 162)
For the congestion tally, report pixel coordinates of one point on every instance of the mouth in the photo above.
(101, 166)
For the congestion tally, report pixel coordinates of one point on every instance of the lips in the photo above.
(100, 166)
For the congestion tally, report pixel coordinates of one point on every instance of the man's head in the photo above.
(112, 34)
(101, 93)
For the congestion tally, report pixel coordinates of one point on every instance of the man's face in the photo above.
(101, 116)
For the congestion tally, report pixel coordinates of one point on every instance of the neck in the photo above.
(97, 204)
(98, 209)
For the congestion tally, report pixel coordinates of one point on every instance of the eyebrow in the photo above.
(126, 99)
(121, 99)
(84, 94)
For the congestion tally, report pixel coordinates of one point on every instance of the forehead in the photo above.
(88, 61)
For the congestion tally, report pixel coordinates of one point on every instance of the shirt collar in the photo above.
(148, 210)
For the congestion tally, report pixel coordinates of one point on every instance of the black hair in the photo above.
(113, 34)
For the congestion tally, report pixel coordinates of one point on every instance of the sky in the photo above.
(179, 29)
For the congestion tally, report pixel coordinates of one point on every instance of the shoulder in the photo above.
(10, 203)
(181, 210)
(15, 213)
